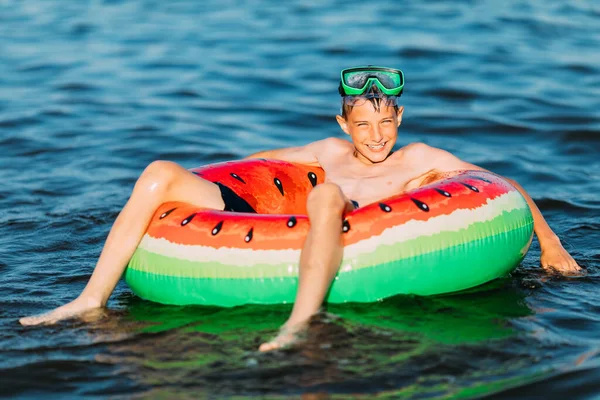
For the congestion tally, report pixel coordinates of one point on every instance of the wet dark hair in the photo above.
(374, 95)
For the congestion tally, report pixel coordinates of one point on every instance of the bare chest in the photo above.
(367, 185)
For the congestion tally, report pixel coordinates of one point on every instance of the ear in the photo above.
(343, 123)
(399, 114)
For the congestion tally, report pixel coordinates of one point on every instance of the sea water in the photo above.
(91, 92)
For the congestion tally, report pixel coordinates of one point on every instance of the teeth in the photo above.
(379, 146)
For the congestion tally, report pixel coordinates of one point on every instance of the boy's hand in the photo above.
(555, 257)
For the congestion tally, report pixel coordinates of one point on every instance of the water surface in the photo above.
(91, 92)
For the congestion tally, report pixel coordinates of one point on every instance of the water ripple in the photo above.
(94, 91)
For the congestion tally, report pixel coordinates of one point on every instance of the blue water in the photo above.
(91, 92)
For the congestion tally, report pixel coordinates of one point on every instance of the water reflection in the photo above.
(402, 344)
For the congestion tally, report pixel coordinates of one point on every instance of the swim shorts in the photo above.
(232, 201)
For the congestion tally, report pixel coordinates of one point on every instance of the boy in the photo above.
(371, 117)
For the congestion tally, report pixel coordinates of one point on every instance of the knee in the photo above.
(158, 175)
(326, 197)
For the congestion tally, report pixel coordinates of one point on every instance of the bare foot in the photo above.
(69, 310)
(288, 336)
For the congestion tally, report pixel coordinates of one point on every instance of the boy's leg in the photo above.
(160, 182)
(319, 261)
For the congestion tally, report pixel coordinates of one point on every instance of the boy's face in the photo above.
(373, 132)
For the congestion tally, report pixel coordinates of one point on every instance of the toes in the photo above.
(268, 346)
(549, 268)
(45, 319)
(28, 321)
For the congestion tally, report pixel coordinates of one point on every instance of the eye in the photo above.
(362, 124)
(386, 122)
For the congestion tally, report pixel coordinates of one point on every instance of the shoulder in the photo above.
(433, 158)
(333, 142)
(329, 145)
(418, 150)
(311, 153)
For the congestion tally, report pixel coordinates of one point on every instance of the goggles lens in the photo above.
(358, 80)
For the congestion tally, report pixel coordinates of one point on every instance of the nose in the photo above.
(376, 136)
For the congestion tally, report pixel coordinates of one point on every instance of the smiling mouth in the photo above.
(376, 146)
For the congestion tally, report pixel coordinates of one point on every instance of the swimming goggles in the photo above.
(355, 81)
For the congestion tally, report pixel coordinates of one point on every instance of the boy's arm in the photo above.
(308, 154)
(553, 253)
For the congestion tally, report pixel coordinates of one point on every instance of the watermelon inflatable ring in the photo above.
(454, 234)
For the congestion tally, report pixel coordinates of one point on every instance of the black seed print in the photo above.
(248, 237)
(279, 185)
(385, 207)
(188, 220)
(473, 188)
(345, 226)
(312, 177)
(482, 179)
(236, 176)
(420, 204)
(443, 193)
(167, 213)
(291, 222)
(217, 228)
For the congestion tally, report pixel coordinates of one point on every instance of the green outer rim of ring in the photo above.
(455, 267)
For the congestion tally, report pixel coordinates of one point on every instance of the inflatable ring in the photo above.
(454, 234)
